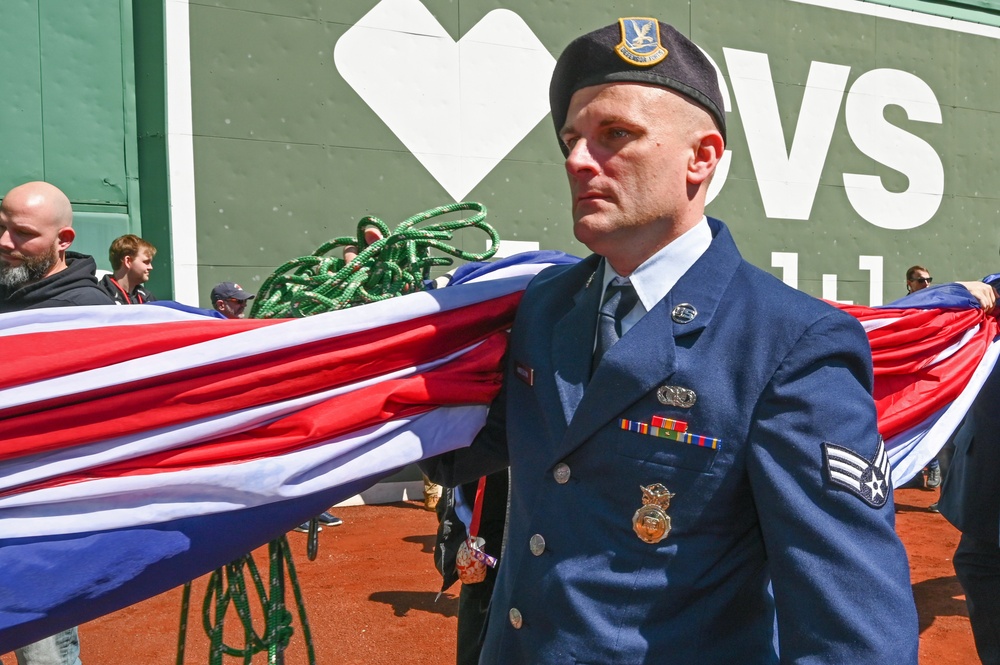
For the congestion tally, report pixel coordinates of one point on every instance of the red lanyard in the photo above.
(477, 510)
(124, 292)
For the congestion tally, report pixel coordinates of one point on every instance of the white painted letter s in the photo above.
(895, 148)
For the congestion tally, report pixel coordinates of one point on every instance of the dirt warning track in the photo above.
(370, 597)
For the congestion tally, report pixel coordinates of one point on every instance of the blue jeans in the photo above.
(60, 649)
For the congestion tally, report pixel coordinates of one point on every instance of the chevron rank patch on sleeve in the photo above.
(868, 479)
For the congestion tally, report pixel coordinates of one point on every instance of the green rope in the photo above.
(397, 263)
(182, 633)
(227, 586)
(297, 592)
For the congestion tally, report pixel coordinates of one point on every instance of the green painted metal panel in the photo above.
(980, 11)
(68, 114)
(151, 139)
(294, 143)
(21, 113)
(83, 107)
(100, 229)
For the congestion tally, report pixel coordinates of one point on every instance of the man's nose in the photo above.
(580, 158)
(5, 241)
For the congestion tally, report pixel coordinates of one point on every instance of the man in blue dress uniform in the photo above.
(683, 430)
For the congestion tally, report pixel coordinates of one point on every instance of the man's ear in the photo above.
(127, 262)
(65, 236)
(705, 157)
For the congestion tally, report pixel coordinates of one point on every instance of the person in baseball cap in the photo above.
(229, 299)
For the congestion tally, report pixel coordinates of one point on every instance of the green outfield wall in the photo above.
(862, 135)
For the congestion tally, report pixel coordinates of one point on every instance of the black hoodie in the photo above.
(138, 295)
(76, 285)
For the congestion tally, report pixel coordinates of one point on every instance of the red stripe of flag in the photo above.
(173, 398)
(913, 340)
(473, 378)
(908, 388)
(71, 351)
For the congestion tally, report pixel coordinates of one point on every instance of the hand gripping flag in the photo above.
(931, 352)
(142, 446)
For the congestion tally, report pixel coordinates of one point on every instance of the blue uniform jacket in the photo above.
(970, 498)
(776, 373)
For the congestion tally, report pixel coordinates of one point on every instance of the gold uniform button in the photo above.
(515, 618)
(537, 544)
(561, 473)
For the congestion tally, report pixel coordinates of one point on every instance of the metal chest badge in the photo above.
(651, 522)
(676, 396)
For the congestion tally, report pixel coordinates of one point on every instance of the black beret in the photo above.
(636, 50)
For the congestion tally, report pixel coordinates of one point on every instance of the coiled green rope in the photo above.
(397, 263)
(227, 586)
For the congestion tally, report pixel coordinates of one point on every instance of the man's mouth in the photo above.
(591, 196)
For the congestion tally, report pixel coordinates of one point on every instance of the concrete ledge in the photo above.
(388, 492)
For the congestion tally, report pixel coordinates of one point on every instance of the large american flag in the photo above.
(144, 446)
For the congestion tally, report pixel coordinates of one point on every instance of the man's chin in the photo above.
(26, 271)
(13, 277)
(591, 230)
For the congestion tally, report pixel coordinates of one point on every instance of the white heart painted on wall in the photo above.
(459, 107)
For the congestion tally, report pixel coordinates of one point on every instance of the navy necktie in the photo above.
(619, 300)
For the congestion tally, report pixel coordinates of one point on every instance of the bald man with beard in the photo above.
(37, 270)
(36, 267)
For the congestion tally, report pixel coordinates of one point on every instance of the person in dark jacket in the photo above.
(485, 512)
(36, 267)
(37, 270)
(970, 500)
(131, 260)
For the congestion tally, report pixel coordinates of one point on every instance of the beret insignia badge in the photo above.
(640, 43)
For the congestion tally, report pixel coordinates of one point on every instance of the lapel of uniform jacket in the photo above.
(645, 357)
(573, 336)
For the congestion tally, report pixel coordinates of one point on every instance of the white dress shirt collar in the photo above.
(660, 272)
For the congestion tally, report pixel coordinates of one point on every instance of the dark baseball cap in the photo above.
(227, 290)
(636, 50)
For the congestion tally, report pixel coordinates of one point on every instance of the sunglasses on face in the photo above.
(923, 280)
(241, 303)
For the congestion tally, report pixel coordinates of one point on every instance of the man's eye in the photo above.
(618, 133)
(570, 141)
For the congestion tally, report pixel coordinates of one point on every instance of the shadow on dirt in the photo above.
(426, 542)
(910, 508)
(402, 602)
(939, 597)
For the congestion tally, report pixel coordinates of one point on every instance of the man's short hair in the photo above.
(911, 274)
(128, 245)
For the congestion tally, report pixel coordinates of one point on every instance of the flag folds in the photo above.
(931, 353)
(144, 446)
